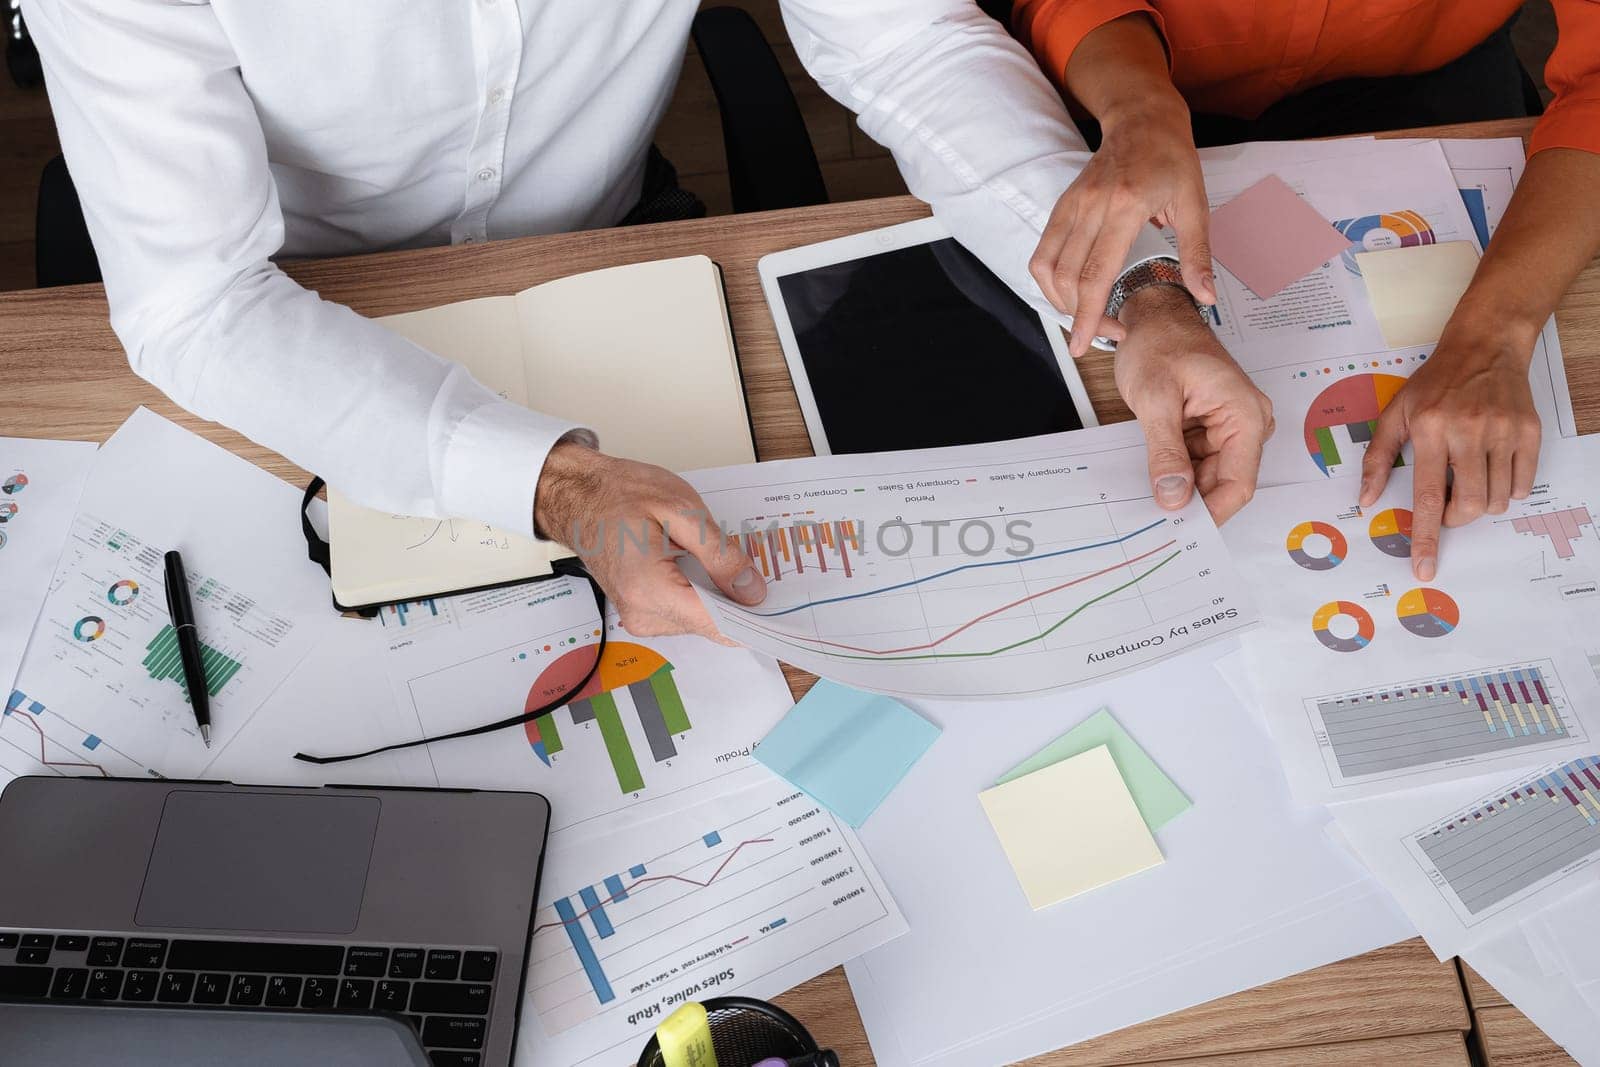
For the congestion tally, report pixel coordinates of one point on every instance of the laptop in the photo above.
(158, 894)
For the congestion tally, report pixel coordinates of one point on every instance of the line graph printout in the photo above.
(750, 893)
(661, 718)
(990, 570)
(1471, 860)
(1339, 664)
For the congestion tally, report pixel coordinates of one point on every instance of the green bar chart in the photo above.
(162, 661)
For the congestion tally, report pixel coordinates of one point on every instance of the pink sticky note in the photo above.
(1268, 237)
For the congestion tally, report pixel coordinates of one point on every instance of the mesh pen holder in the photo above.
(745, 1031)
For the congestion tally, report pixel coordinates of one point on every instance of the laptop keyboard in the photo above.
(445, 993)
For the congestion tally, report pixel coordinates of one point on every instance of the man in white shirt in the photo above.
(206, 138)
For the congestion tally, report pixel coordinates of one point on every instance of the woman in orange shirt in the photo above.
(1154, 73)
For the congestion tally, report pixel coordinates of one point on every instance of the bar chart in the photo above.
(789, 548)
(660, 717)
(162, 661)
(1561, 528)
(1429, 721)
(642, 673)
(1513, 843)
(752, 891)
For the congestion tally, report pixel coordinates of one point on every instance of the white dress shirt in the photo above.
(206, 138)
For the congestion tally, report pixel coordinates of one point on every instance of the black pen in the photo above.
(194, 668)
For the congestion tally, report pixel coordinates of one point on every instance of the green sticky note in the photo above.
(1158, 799)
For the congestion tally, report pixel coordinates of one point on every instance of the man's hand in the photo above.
(1204, 422)
(1146, 170)
(1468, 409)
(629, 522)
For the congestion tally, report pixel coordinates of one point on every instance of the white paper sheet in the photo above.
(1243, 862)
(1470, 860)
(1554, 1003)
(988, 570)
(745, 893)
(1374, 682)
(668, 720)
(95, 694)
(39, 486)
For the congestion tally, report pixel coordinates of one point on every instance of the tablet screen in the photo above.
(923, 346)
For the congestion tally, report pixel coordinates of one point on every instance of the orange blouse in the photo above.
(1238, 57)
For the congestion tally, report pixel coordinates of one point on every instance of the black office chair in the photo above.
(771, 164)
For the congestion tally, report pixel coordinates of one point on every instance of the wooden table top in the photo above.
(66, 376)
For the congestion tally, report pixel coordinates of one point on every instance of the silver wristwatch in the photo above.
(1160, 271)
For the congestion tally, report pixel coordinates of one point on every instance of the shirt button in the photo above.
(496, 96)
(486, 174)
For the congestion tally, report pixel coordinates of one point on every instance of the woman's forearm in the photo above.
(1550, 232)
(1119, 73)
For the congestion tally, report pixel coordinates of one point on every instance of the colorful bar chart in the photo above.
(1420, 723)
(162, 661)
(1560, 528)
(399, 614)
(825, 547)
(1513, 841)
(644, 674)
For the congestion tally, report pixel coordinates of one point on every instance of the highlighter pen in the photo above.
(684, 1038)
(194, 669)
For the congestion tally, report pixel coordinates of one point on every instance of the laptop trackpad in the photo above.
(266, 862)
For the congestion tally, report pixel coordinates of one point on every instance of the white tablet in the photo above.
(900, 338)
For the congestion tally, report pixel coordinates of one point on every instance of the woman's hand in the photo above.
(1469, 409)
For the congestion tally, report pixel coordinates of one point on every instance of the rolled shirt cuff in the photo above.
(494, 459)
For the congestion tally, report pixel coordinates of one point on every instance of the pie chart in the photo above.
(1390, 531)
(14, 484)
(1428, 612)
(89, 628)
(1340, 421)
(123, 593)
(1326, 622)
(1392, 229)
(1307, 548)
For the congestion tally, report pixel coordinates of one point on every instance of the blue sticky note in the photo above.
(845, 748)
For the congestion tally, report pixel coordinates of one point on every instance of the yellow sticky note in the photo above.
(1070, 827)
(1415, 289)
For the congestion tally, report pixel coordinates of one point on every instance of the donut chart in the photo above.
(1392, 229)
(1428, 612)
(1334, 609)
(7, 510)
(123, 592)
(1341, 420)
(1390, 531)
(89, 628)
(1338, 548)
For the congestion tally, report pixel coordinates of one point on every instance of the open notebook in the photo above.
(642, 353)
